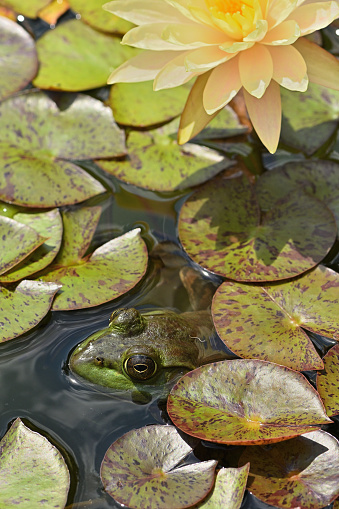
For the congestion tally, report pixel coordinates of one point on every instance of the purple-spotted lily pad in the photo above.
(245, 402)
(48, 225)
(155, 161)
(139, 470)
(29, 8)
(268, 322)
(301, 473)
(222, 229)
(112, 270)
(23, 308)
(18, 58)
(36, 138)
(93, 14)
(228, 491)
(328, 381)
(32, 471)
(76, 57)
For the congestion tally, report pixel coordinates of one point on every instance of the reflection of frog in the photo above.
(141, 352)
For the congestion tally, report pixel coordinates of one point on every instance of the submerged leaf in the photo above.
(138, 470)
(245, 402)
(328, 381)
(32, 471)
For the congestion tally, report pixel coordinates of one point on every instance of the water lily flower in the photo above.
(228, 45)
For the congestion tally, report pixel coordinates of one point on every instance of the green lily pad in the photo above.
(245, 402)
(300, 473)
(155, 161)
(19, 241)
(221, 228)
(25, 307)
(138, 470)
(112, 270)
(18, 58)
(133, 103)
(32, 471)
(76, 57)
(268, 322)
(328, 381)
(228, 491)
(93, 14)
(29, 8)
(48, 225)
(317, 178)
(35, 139)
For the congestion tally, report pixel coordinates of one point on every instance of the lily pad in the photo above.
(222, 229)
(228, 491)
(112, 270)
(155, 161)
(268, 322)
(18, 58)
(300, 473)
(25, 307)
(133, 103)
(36, 137)
(245, 402)
(138, 470)
(94, 15)
(48, 225)
(32, 471)
(317, 178)
(328, 381)
(29, 8)
(76, 57)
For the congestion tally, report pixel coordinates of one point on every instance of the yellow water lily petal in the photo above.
(149, 37)
(256, 69)
(265, 115)
(311, 17)
(174, 73)
(236, 46)
(278, 11)
(322, 67)
(222, 85)
(259, 33)
(205, 58)
(192, 36)
(184, 7)
(141, 13)
(285, 33)
(289, 68)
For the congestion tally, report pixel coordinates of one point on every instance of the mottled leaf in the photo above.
(301, 473)
(245, 402)
(156, 161)
(48, 225)
(92, 12)
(76, 57)
(18, 58)
(29, 8)
(328, 381)
(112, 270)
(268, 322)
(32, 471)
(222, 229)
(23, 308)
(228, 491)
(138, 470)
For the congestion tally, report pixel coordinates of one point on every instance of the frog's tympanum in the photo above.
(142, 352)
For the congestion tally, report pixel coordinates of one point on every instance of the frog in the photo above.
(144, 353)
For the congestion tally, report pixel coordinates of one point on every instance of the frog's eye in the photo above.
(140, 367)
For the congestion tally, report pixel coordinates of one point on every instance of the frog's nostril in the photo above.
(99, 361)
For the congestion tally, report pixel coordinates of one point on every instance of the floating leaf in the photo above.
(228, 491)
(76, 57)
(156, 161)
(32, 471)
(112, 270)
(138, 470)
(48, 225)
(35, 139)
(245, 402)
(300, 473)
(328, 381)
(133, 103)
(23, 308)
(221, 228)
(18, 58)
(92, 13)
(29, 8)
(268, 322)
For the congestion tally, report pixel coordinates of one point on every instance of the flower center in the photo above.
(235, 17)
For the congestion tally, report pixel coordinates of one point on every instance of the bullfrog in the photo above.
(143, 352)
